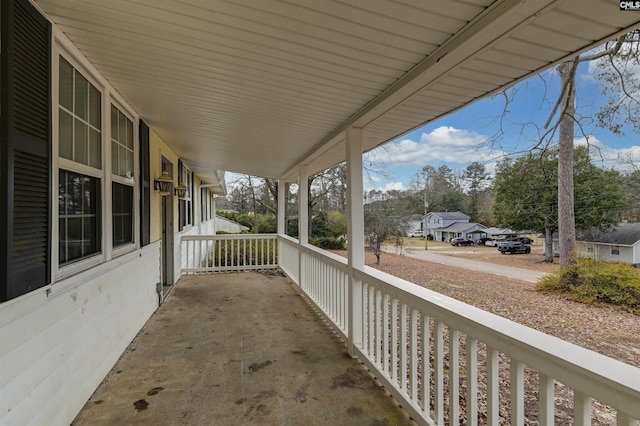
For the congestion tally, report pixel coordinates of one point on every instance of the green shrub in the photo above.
(596, 282)
(328, 243)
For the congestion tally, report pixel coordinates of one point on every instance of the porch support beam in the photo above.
(303, 208)
(282, 203)
(355, 234)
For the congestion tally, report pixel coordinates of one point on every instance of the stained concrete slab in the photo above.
(238, 349)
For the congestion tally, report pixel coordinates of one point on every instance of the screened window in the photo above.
(80, 129)
(122, 205)
(78, 216)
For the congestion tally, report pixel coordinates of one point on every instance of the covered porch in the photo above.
(172, 93)
(239, 348)
(233, 334)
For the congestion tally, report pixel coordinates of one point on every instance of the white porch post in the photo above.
(303, 208)
(214, 215)
(303, 223)
(355, 234)
(282, 217)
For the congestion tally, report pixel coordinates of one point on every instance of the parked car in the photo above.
(491, 242)
(513, 247)
(523, 240)
(457, 242)
(482, 241)
(415, 233)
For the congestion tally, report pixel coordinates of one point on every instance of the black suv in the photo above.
(513, 247)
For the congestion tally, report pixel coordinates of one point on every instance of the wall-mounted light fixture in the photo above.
(163, 183)
(181, 190)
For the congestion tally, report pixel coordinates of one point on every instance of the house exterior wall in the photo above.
(597, 251)
(59, 342)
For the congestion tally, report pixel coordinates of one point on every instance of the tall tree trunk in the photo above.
(566, 213)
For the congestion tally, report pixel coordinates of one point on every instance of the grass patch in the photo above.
(597, 282)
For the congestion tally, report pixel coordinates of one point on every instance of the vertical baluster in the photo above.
(371, 324)
(517, 392)
(414, 355)
(403, 348)
(454, 376)
(262, 259)
(426, 365)
(394, 340)
(581, 409)
(493, 385)
(472, 381)
(439, 372)
(546, 392)
(376, 327)
(385, 335)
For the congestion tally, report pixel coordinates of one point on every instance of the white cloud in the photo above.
(443, 144)
(602, 155)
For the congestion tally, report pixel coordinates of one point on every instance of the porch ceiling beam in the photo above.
(500, 19)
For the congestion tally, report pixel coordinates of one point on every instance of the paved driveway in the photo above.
(475, 265)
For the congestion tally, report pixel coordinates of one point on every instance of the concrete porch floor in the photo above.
(238, 349)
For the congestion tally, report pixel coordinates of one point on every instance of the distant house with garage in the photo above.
(443, 226)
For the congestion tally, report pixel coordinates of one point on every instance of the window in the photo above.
(185, 206)
(78, 216)
(79, 142)
(615, 252)
(79, 113)
(121, 144)
(122, 205)
(122, 172)
(87, 174)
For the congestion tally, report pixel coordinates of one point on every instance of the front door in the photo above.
(167, 235)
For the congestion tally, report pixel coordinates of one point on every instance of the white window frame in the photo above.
(63, 47)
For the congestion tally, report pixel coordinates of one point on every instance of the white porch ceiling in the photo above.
(260, 86)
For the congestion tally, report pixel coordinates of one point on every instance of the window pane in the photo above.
(95, 149)
(79, 219)
(66, 85)
(122, 161)
(65, 135)
(80, 146)
(114, 123)
(130, 164)
(130, 135)
(81, 96)
(122, 206)
(114, 158)
(122, 126)
(95, 107)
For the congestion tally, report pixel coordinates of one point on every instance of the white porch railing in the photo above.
(448, 362)
(228, 252)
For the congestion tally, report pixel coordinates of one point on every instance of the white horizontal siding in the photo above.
(55, 356)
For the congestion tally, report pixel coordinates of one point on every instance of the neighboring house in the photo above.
(415, 225)
(225, 225)
(443, 226)
(622, 244)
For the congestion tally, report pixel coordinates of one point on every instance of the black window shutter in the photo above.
(25, 149)
(145, 186)
(182, 219)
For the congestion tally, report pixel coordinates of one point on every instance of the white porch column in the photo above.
(215, 216)
(282, 214)
(303, 223)
(303, 208)
(355, 233)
